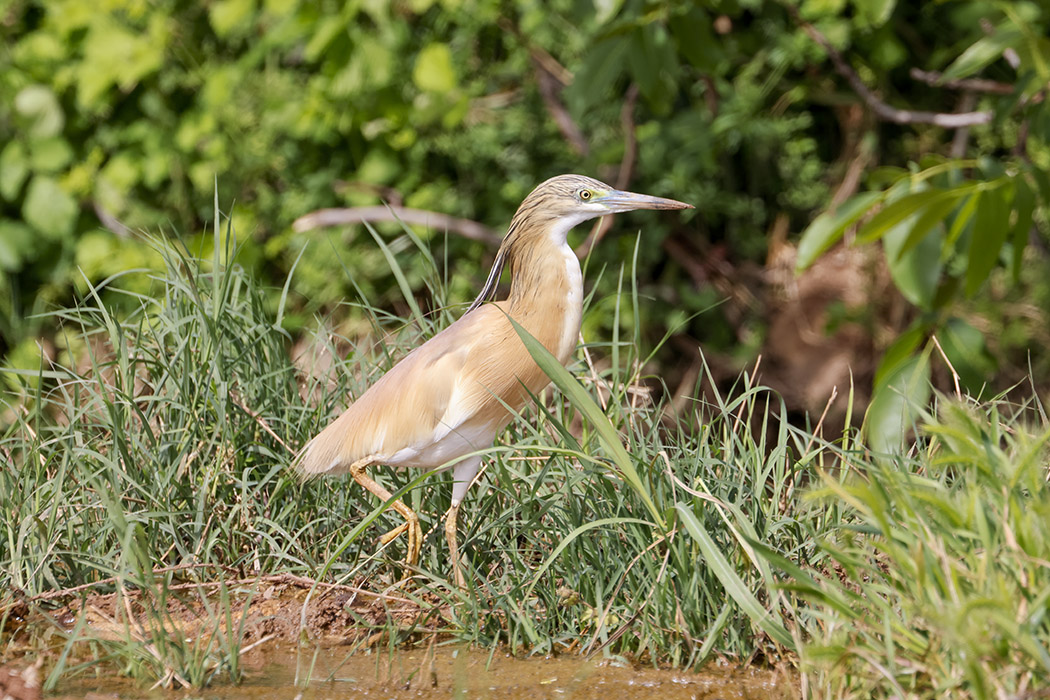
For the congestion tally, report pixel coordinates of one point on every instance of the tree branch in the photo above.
(419, 217)
(935, 79)
(880, 108)
(109, 221)
(962, 136)
(550, 88)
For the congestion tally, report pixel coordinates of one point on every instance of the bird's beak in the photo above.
(618, 200)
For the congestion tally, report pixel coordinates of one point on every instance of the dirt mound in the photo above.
(282, 607)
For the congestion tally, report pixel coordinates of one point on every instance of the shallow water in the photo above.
(451, 671)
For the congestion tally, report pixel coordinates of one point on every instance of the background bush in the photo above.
(128, 116)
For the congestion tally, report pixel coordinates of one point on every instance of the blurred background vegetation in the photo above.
(817, 121)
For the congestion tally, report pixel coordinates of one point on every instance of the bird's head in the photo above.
(567, 200)
(552, 209)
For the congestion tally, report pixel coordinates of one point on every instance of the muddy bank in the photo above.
(274, 608)
(321, 641)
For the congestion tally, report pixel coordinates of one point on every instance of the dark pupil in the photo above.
(585, 195)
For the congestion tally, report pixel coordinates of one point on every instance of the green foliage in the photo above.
(123, 119)
(948, 561)
(947, 224)
(132, 111)
(942, 237)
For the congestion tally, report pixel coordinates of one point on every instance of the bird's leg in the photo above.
(389, 537)
(453, 545)
(462, 474)
(411, 524)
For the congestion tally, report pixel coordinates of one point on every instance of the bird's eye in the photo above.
(584, 195)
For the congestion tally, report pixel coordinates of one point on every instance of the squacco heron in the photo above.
(452, 395)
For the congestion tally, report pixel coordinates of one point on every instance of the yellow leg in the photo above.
(393, 534)
(411, 524)
(453, 546)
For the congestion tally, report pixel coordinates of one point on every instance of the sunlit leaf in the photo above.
(932, 214)
(115, 55)
(898, 210)
(1024, 207)
(900, 351)
(16, 244)
(605, 10)
(231, 17)
(817, 9)
(324, 33)
(48, 208)
(39, 105)
(991, 227)
(828, 228)
(50, 155)
(895, 403)
(433, 71)
(966, 350)
(963, 218)
(876, 12)
(886, 175)
(14, 168)
(917, 271)
(981, 53)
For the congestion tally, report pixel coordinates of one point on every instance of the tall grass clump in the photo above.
(160, 443)
(159, 451)
(938, 586)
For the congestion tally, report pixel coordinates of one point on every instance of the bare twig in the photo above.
(880, 108)
(109, 221)
(820, 423)
(550, 64)
(420, 217)
(551, 76)
(967, 101)
(630, 147)
(856, 153)
(291, 579)
(599, 385)
(710, 94)
(261, 421)
(50, 595)
(951, 368)
(992, 87)
(550, 90)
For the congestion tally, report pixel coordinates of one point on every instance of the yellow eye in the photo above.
(584, 195)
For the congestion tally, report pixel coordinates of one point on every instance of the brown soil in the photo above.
(284, 608)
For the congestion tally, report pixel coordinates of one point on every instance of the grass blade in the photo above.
(732, 583)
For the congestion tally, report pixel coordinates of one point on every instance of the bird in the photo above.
(450, 397)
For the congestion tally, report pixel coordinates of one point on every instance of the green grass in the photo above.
(604, 521)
